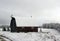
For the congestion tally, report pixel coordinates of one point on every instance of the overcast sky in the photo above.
(44, 10)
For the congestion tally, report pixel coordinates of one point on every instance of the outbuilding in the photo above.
(24, 24)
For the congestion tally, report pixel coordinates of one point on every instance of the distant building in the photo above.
(23, 24)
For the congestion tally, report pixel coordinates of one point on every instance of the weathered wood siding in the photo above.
(27, 29)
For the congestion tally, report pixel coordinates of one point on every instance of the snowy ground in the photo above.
(45, 35)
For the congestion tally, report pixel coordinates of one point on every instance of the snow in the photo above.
(26, 21)
(52, 35)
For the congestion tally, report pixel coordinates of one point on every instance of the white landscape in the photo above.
(45, 35)
(30, 13)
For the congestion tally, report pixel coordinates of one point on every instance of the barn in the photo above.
(23, 24)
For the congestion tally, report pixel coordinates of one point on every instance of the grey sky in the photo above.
(46, 10)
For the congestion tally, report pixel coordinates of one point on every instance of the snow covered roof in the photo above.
(26, 21)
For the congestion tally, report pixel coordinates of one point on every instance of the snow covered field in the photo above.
(45, 35)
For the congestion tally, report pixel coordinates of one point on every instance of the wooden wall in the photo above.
(27, 29)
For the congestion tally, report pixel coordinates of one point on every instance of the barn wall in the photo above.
(27, 29)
